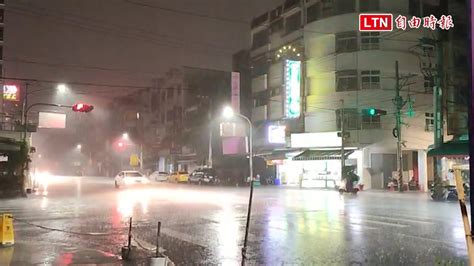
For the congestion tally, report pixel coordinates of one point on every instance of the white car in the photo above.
(129, 178)
(159, 176)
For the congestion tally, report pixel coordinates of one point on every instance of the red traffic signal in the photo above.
(81, 107)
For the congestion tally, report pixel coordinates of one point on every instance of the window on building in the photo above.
(1, 52)
(345, 6)
(429, 84)
(275, 91)
(371, 122)
(179, 91)
(2, 15)
(369, 5)
(1, 33)
(370, 79)
(351, 119)
(170, 93)
(327, 8)
(293, 22)
(289, 4)
(370, 40)
(276, 26)
(170, 116)
(162, 118)
(429, 122)
(346, 42)
(313, 12)
(260, 66)
(163, 96)
(178, 113)
(260, 39)
(346, 80)
(261, 98)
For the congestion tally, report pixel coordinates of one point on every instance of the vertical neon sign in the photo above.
(293, 88)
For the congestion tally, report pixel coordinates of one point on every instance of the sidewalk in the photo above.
(47, 253)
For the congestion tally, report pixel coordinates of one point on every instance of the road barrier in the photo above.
(7, 235)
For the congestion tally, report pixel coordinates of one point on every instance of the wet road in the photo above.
(205, 225)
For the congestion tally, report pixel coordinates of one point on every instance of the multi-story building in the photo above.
(194, 99)
(313, 71)
(171, 122)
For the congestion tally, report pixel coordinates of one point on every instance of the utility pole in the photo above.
(141, 156)
(209, 161)
(343, 132)
(399, 103)
(24, 117)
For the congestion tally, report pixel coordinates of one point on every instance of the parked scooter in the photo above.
(447, 193)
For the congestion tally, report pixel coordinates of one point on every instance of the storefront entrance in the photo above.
(313, 169)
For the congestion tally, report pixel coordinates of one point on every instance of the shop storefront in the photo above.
(314, 168)
(449, 160)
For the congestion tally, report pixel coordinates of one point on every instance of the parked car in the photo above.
(178, 177)
(129, 178)
(204, 176)
(159, 176)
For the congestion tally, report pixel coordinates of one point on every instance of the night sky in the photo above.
(123, 41)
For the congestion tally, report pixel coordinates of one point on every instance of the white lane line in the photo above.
(398, 219)
(451, 244)
(362, 221)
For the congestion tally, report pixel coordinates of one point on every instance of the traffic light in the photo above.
(373, 112)
(83, 108)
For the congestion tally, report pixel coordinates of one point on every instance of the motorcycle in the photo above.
(447, 192)
(343, 188)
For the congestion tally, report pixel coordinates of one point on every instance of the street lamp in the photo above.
(62, 88)
(228, 113)
(79, 146)
(125, 135)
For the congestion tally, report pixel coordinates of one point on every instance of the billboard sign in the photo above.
(235, 98)
(277, 134)
(292, 89)
(11, 93)
(51, 120)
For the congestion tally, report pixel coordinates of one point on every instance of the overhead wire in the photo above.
(187, 13)
(111, 29)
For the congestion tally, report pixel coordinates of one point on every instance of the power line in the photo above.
(118, 31)
(187, 13)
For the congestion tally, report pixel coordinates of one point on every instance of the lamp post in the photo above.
(229, 113)
(126, 137)
(61, 88)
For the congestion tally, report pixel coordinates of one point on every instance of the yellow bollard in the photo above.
(7, 237)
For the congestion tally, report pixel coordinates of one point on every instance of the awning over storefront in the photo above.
(277, 154)
(318, 155)
(451, 149)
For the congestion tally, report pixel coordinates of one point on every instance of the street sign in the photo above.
(346, 134)
(134, 160)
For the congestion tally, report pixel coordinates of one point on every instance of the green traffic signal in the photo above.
(372, 111)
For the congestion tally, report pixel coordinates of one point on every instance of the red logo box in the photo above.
(376, 22)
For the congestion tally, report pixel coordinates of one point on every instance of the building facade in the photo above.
(174, 126)
(313, 71)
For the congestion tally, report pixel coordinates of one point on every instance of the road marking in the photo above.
(398, 219)
(361, 222)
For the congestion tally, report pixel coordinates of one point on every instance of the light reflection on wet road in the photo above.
(206, 224)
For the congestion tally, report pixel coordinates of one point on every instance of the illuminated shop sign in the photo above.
(11, 93)
(277, 134)
(293, 88)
